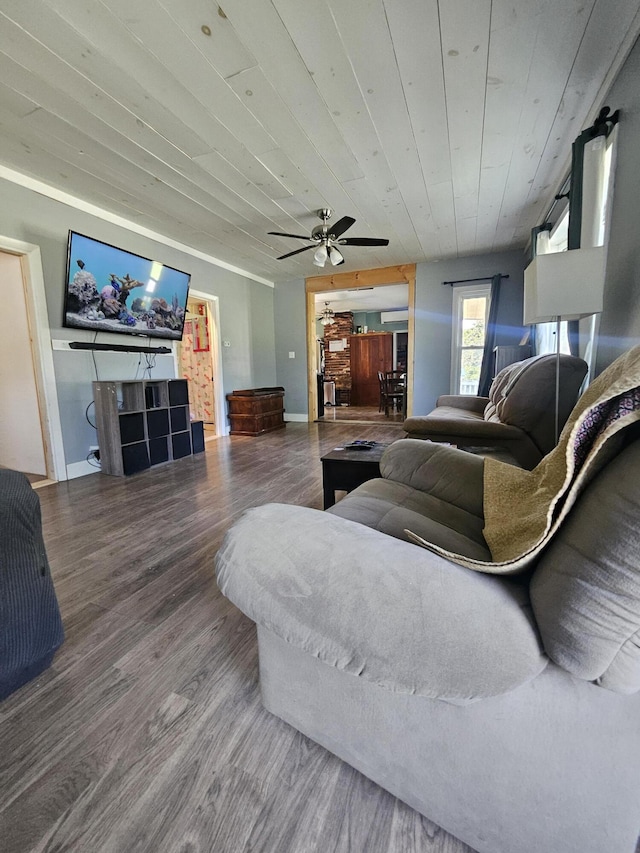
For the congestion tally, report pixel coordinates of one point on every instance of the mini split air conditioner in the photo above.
(395, 316)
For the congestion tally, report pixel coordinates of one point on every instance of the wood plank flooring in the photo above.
(147, 735)
(361, 415)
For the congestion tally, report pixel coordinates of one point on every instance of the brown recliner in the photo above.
(518, 415)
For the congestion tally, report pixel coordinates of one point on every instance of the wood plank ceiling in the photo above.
(443, 125)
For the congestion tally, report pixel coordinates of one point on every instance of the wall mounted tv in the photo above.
(110, 290)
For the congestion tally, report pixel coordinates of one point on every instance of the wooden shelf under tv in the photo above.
(143, 423)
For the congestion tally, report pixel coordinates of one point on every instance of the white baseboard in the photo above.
(302, 419)
(80, 469)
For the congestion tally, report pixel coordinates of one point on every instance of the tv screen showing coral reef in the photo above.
(110, 290)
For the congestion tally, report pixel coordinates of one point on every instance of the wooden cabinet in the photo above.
(256, 410)
(370, 353)
(142, 423)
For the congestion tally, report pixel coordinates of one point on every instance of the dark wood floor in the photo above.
(361, 415)
(147, 734)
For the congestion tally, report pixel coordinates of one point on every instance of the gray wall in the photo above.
(433, 317)
(432, 328)
(291, 336)
(371, 319)
(620, 320)
(246, 309)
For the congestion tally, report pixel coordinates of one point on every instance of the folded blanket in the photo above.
(524, 509)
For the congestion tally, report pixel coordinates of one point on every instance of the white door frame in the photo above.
(40, 334)
(218, 388)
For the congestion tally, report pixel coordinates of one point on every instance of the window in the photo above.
(553, 241)
(470, 313)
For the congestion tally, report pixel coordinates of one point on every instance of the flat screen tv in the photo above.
(110, 290)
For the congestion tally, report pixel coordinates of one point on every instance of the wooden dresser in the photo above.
(254, 411)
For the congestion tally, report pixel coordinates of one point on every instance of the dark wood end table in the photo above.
(345, 470)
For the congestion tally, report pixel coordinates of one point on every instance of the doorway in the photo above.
(368, 329)
(30, 429)
(199, 361)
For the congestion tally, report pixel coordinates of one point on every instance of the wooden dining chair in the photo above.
(394, 390)
(382, 390)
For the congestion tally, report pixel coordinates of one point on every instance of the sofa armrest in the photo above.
(378, 608)
(463, 401)
(473, 430)
(447, 473)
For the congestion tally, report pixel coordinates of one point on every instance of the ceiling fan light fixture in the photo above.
(326, 317)
(320, 255)
(325, 238)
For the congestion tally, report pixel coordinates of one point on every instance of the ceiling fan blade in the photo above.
(363, 241)
(340, 226)
(297, 251)
(281, 234)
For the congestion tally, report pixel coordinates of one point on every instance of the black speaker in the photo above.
(135, 457)
(158, 423)
(158, 450)
(181, 443)
(179, 419)
(197, 436)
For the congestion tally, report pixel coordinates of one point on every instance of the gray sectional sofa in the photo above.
(518, 416)
(505, 709)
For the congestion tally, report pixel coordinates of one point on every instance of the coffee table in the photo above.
(345, 470)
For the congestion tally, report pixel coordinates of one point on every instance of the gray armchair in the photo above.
(518, 415)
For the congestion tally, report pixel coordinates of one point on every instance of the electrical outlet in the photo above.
(93, 448)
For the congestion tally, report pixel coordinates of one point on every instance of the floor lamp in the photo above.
(563, 286)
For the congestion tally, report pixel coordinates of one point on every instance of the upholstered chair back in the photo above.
(523, 395)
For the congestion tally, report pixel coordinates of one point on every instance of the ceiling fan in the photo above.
(326, 238)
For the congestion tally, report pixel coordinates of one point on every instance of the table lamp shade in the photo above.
(564, 284)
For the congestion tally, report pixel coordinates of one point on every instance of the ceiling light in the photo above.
(335, 256)
(320, 255)
(326, 318)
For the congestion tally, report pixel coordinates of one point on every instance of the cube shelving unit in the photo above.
(143, 423)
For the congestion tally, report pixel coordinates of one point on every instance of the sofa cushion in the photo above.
(586, 588)
(437, 469)
(392, 507)
(523, 395)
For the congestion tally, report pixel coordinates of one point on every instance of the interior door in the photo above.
(369, 354)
